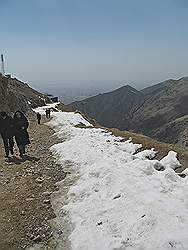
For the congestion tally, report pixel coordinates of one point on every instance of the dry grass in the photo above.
(147, 143)
(65, 108)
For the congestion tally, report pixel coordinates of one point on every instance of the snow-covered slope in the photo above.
(120, 200)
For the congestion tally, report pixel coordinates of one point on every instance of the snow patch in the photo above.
(146, 154)
(42, 109)
(171, 161)
(120, 200)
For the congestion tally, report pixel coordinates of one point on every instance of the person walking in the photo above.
(7, 132)
(21, 135)
(39, 117)
(47, 113)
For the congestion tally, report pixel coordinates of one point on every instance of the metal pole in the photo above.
(3, 65)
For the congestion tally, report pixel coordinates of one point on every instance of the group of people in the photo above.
(48, 114)
(14, 127)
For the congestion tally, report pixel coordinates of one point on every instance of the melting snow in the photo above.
(42, 109)
(171, 160)
(120, 200)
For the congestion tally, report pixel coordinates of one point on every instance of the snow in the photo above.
(171, 160)
(42, 109)
(70, 119)
(146, 154)
(134, 92)
(120, 200)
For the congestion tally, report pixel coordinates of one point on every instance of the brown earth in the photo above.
(25, 188)
(17, 95)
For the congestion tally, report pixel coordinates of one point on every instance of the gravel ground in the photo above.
(26, 212)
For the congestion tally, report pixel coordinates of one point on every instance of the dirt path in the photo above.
(25, 189)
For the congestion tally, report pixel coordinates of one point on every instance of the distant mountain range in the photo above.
(159, 111)
(69, 99)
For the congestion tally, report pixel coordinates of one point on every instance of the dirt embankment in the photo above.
(25, 189)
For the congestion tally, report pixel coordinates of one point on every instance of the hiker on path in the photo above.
(48, 113)
(39, 117)
(21, 135)
(7, 132)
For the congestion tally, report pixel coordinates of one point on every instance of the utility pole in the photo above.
(2, 64)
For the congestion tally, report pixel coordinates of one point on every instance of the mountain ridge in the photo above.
(148, 111)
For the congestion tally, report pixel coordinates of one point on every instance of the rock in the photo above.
(38, 229)
(43, 235)
(29, 199)
(46, 201)
(47, 193)
(22, 213)
(40, 179)
(158, 166)
(59, 232)
(37, 238)
(99, 223)
(117, 196)
(51, 234)
(31, 236)
(182, 175)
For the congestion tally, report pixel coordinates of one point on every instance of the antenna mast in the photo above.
(2, 64)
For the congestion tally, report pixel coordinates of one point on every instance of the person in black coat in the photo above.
(48, 111)
(39, 117)
(21, 135)
(7, 132)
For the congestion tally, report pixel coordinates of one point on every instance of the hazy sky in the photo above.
(98, 44)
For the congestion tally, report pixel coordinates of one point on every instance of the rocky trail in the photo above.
(25, 189)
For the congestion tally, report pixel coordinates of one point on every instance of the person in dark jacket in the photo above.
(38, 117)
(21, 135)
(48, 111)
(7, 132)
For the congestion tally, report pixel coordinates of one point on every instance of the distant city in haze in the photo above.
(84, 47)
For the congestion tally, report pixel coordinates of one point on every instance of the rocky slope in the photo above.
(163, 114)
(16, 95)
(158, 111)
